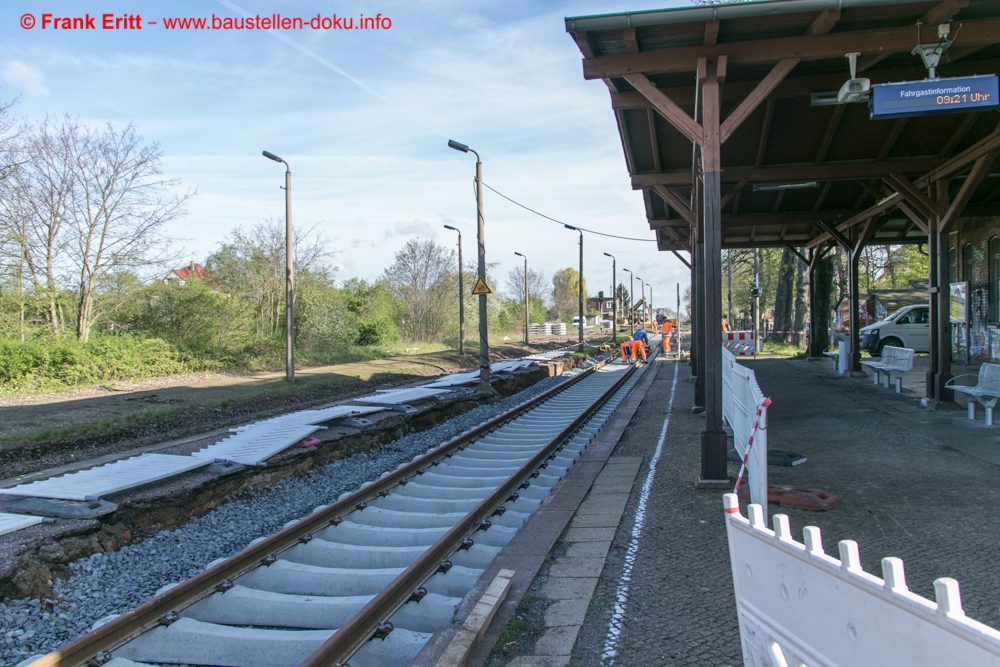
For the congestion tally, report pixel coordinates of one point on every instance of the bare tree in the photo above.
(515, 284)
(251, 263)
(422, 277)
(120, 205)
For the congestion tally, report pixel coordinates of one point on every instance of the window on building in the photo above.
(994, 271)
(967, 266)
(952, 261)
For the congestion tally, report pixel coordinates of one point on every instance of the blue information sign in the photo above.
(918, 98)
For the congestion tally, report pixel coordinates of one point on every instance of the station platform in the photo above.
(640, 575)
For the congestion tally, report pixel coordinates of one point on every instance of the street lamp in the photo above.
(525, 296)
(461, 294)
(614, 298)
(484, 343)
(289, 277)
(631, 298)
(579, 281)
(652, 313)
(642, 300)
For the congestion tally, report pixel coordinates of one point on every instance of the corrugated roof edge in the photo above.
(714, 13)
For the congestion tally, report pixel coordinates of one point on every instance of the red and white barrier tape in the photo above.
(760, 408)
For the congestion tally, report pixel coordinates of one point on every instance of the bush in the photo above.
(52, 362)
(376, 332)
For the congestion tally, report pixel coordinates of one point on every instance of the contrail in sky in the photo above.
(329, 65)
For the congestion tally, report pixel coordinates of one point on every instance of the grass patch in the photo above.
(783, 349)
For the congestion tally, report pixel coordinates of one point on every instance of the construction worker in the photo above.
(725, 325)
(626, 349)
(666, 331)
(639, 342)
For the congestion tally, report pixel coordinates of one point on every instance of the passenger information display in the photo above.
(919, 98)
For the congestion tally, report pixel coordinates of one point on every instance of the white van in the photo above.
(910, 326)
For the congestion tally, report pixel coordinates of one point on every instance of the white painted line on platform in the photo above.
(610, 651)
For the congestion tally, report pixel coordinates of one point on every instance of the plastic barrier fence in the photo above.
(741, 398)
(799, 606)
(740, 343)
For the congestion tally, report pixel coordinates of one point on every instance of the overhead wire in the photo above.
(582, 229)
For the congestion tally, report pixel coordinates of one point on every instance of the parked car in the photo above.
(907, 327)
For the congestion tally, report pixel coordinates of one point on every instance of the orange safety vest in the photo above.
(667, 327)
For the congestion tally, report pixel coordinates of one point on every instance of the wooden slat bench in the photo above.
(986, 390)
(894, 361)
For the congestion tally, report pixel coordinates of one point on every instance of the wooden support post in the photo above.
(935, 310)
(853, 255)
(943, 371)
(713, 438)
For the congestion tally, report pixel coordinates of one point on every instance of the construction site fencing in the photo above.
(740, 343)
(799, 606)
(741, 400)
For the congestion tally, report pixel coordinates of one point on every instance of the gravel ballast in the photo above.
(115, 582)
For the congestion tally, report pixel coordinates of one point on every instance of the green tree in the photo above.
(374, 311)
(565, 293)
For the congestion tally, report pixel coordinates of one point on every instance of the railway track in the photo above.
(390, 561)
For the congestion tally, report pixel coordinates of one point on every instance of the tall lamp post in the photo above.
(652, 313)
(614, 298)
(579, 282)
(645, 306)
(631, 299)
(525, 296)
(289, 277)
(484, 343)
(461, 294)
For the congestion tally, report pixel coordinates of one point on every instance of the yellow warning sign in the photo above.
(481, 287)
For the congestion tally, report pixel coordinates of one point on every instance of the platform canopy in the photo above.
(796, 167)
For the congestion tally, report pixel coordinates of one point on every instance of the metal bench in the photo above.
(986, 390)
(895, 360)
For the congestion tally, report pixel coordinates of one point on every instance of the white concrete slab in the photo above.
(11, 522)
(107, 479)
(400, 396)
(258, 443)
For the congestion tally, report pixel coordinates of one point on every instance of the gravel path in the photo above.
(111, 583)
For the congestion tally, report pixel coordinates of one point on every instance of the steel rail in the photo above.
(92, 647)
(352, 635)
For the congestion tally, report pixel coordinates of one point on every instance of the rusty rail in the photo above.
(352, 635)
(95, 645)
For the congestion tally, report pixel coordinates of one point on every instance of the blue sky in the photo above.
(363, 118)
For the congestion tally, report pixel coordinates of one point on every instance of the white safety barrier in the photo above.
(798, 606)
(740, 343)
(741, 398)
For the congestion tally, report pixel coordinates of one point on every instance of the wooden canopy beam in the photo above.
(829, 171)
(683, 261)
(807, 47)
(676, 203)
(798, 254)
(802, 86)
(666, 107)
(980, 170)
(841, 240)
(913, 194)
(758, 95)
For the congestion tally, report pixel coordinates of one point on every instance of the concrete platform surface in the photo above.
(916, 484)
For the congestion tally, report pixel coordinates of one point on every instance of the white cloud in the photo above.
(28, 78)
